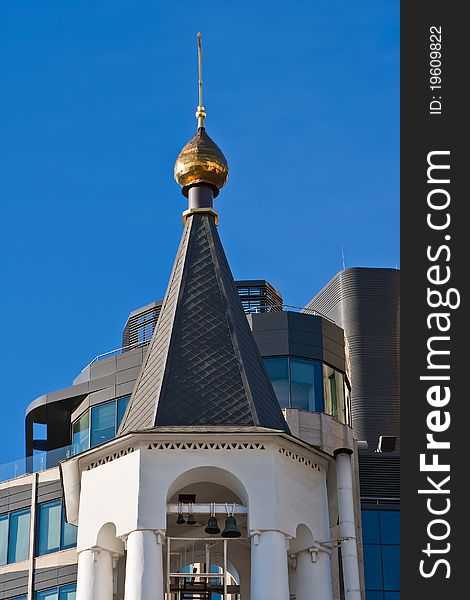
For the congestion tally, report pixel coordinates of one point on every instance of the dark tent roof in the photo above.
(203, 366)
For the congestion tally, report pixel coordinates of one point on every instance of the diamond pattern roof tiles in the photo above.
(203, 366)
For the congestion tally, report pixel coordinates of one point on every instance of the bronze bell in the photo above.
(212, 527)
(191, 520)
(231, 528)
(180, 520)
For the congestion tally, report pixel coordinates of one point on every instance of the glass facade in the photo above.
(64, 592)
(54, 533)
(81, 433)
(98, 424)
(308, 385)
(14, 536)
(381, 544)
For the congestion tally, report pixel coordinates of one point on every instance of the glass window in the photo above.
(391, 567)
(390, 526)
(19, 598)
(68, 592)
(370, 527)
(278, 371)
(54, 533)
(145, 332)
(3, 539)
(121, 409)
(103, 423)
(50, 518)
(68, 535)
(334, 393)
(374, 596)
(81, 433)
(381, 537)
(18, 536)
(306, 385)
(373, 567)
(52, 594)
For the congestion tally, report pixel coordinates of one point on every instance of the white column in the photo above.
(269, 573)
(144, 566)
(95, 575)
(313, 575)
(347, 524)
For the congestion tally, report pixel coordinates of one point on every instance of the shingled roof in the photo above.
(203, 366)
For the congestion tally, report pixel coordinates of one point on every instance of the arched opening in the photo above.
(203, 564)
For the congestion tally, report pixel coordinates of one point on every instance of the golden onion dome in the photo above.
(201, 161)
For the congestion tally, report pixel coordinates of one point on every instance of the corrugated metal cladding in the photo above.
(15, 498)
(49, 490)
(365, 302)
(13, 584)
(379, 476)
(16, 583)
(55, 576)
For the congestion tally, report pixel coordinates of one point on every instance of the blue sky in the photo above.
(97, 99)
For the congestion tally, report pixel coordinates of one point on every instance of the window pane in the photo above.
(103, 423)
(18, 542)
(52, 594)
(370, 527)
(374, 596)
(121, 409)
(392, 596)
(306, 385)
(372, 567)
(69, 534)
(3, 539)
(390, 526)
(391, 566)
(333, 384)
(50, 515)
(68, 592)
(81, 433)
(278, 373)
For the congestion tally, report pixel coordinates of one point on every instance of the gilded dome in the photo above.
(201, 161)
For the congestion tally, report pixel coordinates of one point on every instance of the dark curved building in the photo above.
(365, 302)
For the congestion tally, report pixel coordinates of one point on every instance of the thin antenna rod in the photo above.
(342, 256)
(200, 113)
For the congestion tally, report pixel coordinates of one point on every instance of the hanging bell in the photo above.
(180, 520)
(191, 520)
(212, 527)
(231, 528)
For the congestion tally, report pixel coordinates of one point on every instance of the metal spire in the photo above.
(200, 113)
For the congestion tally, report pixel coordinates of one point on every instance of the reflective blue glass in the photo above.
(306, 385)
(121, 409)
(103, 423)
(68, 535)
(52, 594)
(370, 527)
(278, 371)
(81, 433)
(50, 516)
(19, 598)
(391, 567)
(3, 539)
(18, 536)
(374, 596)
(391, 595)
(68, 592)
(373, 567)
(390, 526)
